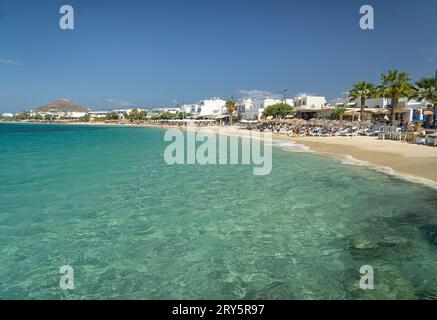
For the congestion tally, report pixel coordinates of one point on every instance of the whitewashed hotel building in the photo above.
(309, 102)
(208, 107)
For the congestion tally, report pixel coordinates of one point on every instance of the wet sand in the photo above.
(404, 159)
(410, 159)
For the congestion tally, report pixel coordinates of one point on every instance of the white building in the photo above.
(162, 110)
(252, 109)
(76, 114)
(58, 114)
(249, 109)
(307, 101)
(98, 114)
(190, 108)
(372, 103)
(207, 107)
(416, 109)
(212, 107)
(7, 115)
(270, 102)
(382, 103)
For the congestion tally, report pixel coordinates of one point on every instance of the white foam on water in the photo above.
(349, 160)
(292, 146)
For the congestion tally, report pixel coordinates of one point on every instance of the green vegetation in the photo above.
(22, 116)
(278, 110)
(164, 116)
(362, 90)
(395, 85)
(112, 116)
(426, 89)
(231, 107)
(182, 115)
(169, 116)
(85, 118)
(338, 112)
(136, 115)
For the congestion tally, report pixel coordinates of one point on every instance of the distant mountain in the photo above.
(61, 105)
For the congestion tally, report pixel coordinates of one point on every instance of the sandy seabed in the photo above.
(413, 162)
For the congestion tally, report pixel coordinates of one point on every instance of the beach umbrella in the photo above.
(351, 113)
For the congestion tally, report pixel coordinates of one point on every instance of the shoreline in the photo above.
(406, 159)
(412, 162)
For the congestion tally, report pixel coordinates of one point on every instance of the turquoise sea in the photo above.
(102, 200)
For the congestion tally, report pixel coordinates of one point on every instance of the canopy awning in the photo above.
(428, 113)
(351, 113)
(377, 111)
(222, 117)
(400, 110)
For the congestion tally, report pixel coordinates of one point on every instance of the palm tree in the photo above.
(362, 90)
(231, 106)
(425, 89)
(338, 112)
(395, 85)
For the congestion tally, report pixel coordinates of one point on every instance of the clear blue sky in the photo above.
(156, 52)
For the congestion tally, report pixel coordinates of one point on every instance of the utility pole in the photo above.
(435, 80)
(285, 100)
(435, 102)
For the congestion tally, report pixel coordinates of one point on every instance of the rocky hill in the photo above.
(61, 105)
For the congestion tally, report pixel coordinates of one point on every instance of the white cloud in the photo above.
(6, 61)
(253, 93)
(118, 103)
(263, 94)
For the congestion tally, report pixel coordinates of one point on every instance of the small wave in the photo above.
(349, 160)
(292, 146)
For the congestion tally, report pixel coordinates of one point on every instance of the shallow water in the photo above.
(102, 200)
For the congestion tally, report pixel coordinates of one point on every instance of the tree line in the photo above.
(396, 85)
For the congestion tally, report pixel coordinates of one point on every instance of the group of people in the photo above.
(317, 128)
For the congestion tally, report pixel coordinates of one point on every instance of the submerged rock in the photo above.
(413, 217)
(358, 242)
(364, 245)
(429, 231)
(390, 242)
(426, 294)
(388, 284)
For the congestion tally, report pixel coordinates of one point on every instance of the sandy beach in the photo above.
(404, 159)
